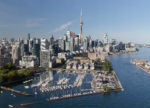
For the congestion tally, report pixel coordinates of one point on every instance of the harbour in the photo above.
(134, 81)
(61, 85)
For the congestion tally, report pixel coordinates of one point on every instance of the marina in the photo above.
(131, 77)
(61, 85)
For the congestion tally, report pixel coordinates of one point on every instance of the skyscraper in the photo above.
(45, 58)
(86, 44)
(76, 42)
(16, 55)
(28, 36)
(36, 48)
(44, 44)
(105, 40)
(26, 47)
(81, 24)
(63, 45)
(30, 45)
(69, 36)
(1, 50)
(51, 41)
(72, 44)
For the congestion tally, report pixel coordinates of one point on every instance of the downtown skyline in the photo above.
(123, 20)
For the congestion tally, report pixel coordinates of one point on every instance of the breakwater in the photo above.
(14, 91)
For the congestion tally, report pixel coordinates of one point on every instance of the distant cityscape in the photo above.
(31, 52)
(54, 55)
(42, 52)
(78, 57)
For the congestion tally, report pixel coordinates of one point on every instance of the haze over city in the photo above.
(124, 20)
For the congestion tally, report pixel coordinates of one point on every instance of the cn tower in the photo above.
(81, 24)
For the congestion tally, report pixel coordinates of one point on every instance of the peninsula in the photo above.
(142, 64)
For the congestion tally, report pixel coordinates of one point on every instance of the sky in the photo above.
(124, 20)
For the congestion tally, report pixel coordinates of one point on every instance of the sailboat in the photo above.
(35, 92)
(26, 87)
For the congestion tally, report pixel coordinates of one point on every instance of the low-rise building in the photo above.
(139, 61)
(29, 61)
(58, 60)
(75, 66)
(130, 47)
(68, 66)
(79, 65)
(94, 56)
(147, 65)
(63, 55)
(86, 66)
(92, 67)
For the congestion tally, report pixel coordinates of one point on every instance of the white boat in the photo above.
(26, 87)
(35, 93)
(11, 106)
(28, 81)
(14, 96)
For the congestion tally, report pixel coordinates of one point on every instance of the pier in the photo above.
(72, 96)
(31, 103)
(15, 91)
(79, 70)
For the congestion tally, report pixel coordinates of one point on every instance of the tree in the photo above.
(106, 89)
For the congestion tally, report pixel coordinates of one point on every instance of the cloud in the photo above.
(3, 25)
(34, 22)
(62, 27)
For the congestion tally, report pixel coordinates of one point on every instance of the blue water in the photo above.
(136, 84)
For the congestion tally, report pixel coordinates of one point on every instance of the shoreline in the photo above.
(122, 52)
(142, 68)
(79, 95)
(118, 81)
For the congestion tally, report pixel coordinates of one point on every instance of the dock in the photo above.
(79, 70)
(72, 96)
(31, 103)
(15, 91)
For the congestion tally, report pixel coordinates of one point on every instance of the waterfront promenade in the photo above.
(118, 81)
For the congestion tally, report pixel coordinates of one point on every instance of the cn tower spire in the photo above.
(81, 24)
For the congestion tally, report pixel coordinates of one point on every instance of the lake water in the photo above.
(136, 94)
